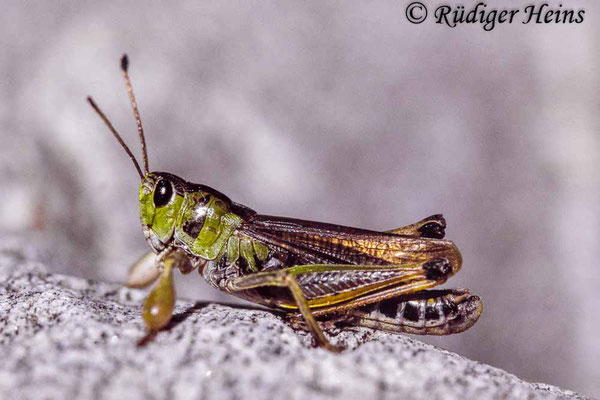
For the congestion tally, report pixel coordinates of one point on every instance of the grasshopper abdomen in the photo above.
(430, 312)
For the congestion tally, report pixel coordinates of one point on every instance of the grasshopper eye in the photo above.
(163, 193)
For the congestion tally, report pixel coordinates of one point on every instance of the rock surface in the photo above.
(67, 338)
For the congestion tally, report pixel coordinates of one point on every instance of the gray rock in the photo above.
(64, 337)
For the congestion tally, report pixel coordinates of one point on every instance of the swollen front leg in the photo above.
(159, 305)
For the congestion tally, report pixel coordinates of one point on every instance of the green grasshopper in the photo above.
(315, 272)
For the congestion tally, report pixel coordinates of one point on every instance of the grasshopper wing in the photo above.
(310, 242)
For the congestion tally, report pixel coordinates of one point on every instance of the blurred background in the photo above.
(341, 112)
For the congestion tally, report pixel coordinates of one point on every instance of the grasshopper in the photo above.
(315, 272)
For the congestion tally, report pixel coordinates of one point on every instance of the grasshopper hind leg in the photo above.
(324, 282)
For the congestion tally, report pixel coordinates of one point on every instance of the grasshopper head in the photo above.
(161, 198)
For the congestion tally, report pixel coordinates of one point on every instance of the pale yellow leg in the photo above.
(143, 272)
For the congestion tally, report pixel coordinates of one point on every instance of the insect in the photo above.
(315, 272)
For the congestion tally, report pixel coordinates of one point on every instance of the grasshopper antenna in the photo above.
(116, 135)
(136, 112)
